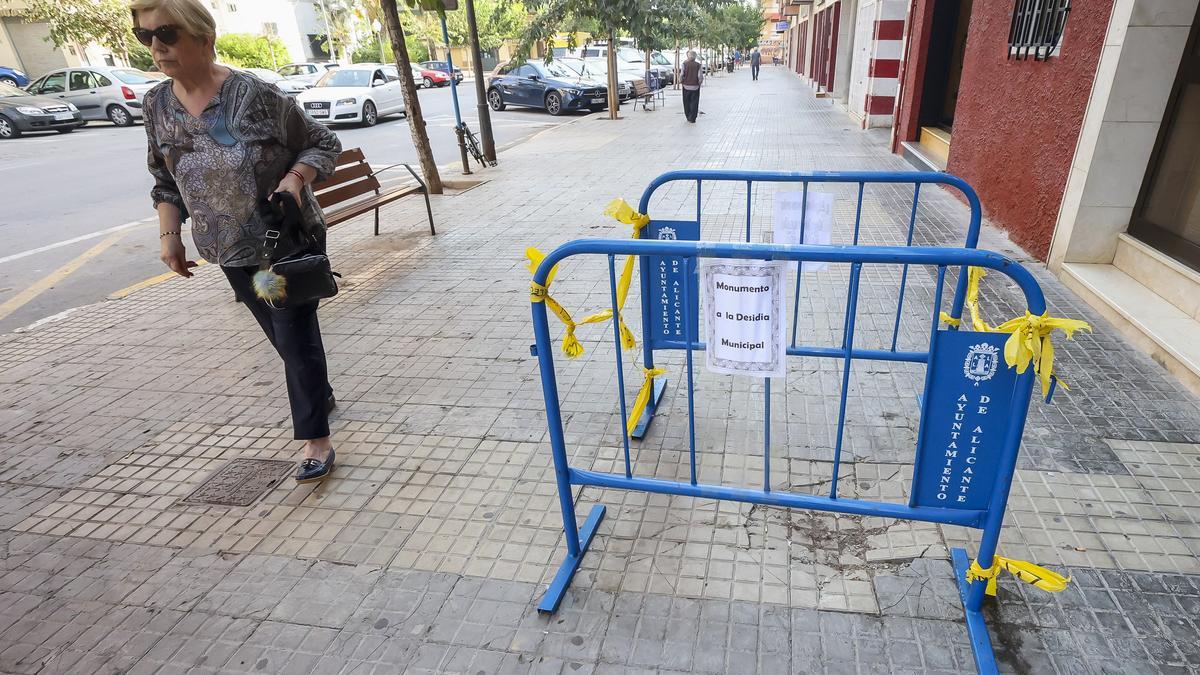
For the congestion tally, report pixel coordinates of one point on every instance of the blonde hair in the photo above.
(190, 15)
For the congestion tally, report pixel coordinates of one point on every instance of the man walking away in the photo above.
(692, 78)
(755, 63)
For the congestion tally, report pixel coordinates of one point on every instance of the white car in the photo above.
(100, 92)
(358, 94)
(307, 72)
(287, 86)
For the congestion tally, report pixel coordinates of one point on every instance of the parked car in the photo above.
(307, 72)
(659, 59)
(442, 67)
(626, 72)
(21, 112)
(13, 77)
(663, 72)
(357, 94)
(100, 92)
(289, 87)
(591, 71)
(551, 86)
(430, 78)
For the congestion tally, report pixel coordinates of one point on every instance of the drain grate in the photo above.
(241, 482)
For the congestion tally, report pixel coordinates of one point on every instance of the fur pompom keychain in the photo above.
(269, 286)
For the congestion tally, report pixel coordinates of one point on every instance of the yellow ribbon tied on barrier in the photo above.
(623, 212)
(643, 398)
(572, 347)
(539, 293)
(1047, 580)
(1029, 342)
(974, 276)
(1029, 339)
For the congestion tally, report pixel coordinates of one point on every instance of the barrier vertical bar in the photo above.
(691, 341)
(562, 469)
(698, 183)
(799, 265)
(847, 348)
(858, 212)
(767, 436)
(960, 289)
(616, 323)
(912, 223)
(749, 192)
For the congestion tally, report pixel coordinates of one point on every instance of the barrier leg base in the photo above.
(639, 430)
(977, 632)
(558, 587)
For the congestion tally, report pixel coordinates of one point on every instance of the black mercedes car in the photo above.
(21, 111)
(551, 86)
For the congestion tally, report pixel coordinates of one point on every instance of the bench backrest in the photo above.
(640, 88)
(353, 178)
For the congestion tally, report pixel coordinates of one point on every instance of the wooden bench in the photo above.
(649, 97)
(353, 189)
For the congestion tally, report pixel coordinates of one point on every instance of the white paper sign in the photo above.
(817, 224)
(744, 317)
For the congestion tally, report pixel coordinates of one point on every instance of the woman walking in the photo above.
(220, 142)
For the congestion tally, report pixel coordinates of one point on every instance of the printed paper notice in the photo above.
(744, 314)
(794, 226)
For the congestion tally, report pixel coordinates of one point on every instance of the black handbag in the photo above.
(293, 269)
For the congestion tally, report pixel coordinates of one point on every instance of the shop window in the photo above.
(1037, 28)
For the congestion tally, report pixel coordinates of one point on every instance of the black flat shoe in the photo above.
(313, 470)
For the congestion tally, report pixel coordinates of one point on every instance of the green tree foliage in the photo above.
(648, 21)
(105, 22)
(743, 24)
(139, 57)
(368, 52)
(251, 51)
(498, 20)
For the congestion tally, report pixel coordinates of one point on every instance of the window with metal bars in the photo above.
(1037, 28)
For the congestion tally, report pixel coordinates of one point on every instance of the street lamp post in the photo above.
(378, 27)
(485, 115)
(458, 128)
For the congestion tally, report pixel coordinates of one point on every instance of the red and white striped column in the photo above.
(883, 70)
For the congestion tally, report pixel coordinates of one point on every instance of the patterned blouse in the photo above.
(216, 167)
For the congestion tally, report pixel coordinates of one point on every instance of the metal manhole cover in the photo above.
(241, 482)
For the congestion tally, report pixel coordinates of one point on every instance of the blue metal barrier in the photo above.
(659, 331)
(953, 484)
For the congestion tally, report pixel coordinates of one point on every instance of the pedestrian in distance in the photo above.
(222, 146)
(691, 79)
(755, 63)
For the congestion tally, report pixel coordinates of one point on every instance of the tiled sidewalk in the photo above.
(430, 547)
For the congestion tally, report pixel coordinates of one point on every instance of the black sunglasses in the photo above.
(168, 35)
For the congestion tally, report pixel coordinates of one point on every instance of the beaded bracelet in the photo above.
(164, 234)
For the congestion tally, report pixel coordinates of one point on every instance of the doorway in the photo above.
(943, 71)
(1167, 215)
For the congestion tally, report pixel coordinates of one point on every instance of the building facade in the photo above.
(1077, 122)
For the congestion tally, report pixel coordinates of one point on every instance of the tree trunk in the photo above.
(416, 121)
(647, 66)
(677, 72)
(614, 95)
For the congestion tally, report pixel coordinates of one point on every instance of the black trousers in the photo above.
(691, 104)
(295, 334)
(754, 70)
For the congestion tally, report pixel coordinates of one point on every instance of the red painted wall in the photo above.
(1016, 123)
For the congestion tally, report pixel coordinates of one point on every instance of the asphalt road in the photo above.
(76, 224)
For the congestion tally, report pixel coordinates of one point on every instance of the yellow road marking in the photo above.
(147, 283)
(21, 299)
